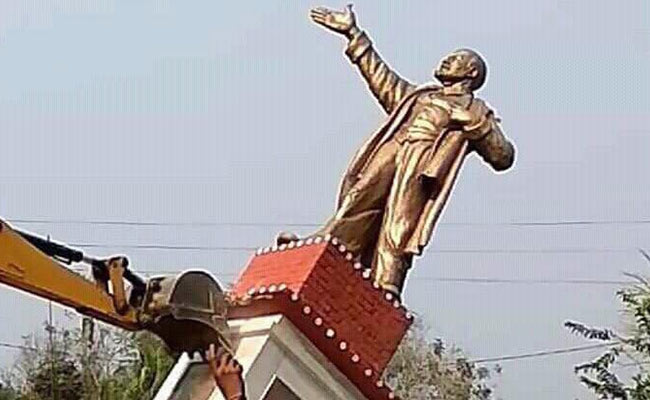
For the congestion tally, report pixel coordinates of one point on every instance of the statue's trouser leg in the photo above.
(356, 223)
(406, 202)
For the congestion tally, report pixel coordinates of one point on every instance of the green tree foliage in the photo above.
(125, 366)
(142, 378)
(627, 353)
(115, 365)
(8, 393)
(426, 370)
(46, 369)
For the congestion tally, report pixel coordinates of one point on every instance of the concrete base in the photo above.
(279, 363)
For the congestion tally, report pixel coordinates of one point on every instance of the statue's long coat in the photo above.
(450, 150)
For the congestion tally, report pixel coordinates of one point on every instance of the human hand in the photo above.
(472, 123)
(342, 22)
(227, 373)
(457, 114)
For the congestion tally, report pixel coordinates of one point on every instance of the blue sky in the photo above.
(246, 112)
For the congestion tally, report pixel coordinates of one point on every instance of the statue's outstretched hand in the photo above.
(342, 22)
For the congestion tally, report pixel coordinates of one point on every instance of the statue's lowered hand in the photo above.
(463, 117)
(342, 22)
(457, 114)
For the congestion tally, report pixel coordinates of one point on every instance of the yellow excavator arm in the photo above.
(187, 311)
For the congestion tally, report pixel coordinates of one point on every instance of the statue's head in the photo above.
(460, 65)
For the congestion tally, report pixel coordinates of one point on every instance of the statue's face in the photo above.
(456, 66)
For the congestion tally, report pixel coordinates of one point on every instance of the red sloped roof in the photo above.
(332, 301)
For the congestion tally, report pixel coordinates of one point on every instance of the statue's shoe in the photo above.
(285, 238)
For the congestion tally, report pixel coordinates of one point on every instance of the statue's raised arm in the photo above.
(386, 85)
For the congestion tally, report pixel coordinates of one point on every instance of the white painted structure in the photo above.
(279, 363)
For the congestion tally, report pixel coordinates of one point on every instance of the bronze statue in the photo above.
(398, 182)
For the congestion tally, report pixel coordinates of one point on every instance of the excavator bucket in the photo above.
(188, 311)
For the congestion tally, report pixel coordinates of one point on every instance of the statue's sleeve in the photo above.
(492, 145)
(386, 85)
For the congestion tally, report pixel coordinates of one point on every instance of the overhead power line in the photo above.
(153, 223)
(542, 353)
(526, 281)
(305, 224)
(506, 281)
(174, 247)
(161, 247)
(17, 346)
(536, 354)
(581, 222)
(634, 364)
(560, 250)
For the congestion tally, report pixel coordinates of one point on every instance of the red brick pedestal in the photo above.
(332, 301)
